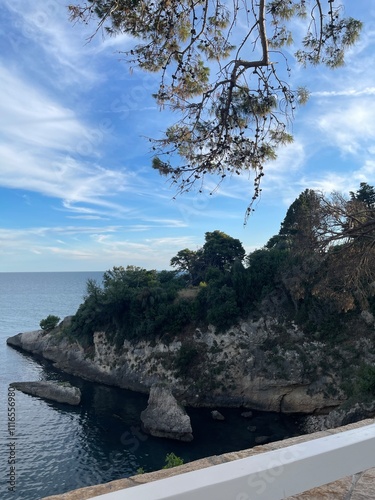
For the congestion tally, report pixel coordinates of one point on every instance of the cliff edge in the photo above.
(245, 366)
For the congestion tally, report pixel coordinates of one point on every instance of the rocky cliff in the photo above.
(245, 366)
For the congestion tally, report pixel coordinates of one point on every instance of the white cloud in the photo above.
(44, 23)
(366, 173)
(349, 125)
(353, 92)
(66, 179)
(70, 253)
(38, 139)
(166, 222)
(29, 115)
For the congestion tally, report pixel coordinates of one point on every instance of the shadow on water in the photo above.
(103, 438)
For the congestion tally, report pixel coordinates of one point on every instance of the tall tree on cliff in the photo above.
(299, 237)
(224, 67)
(330, 245)
(349, 240)
(190, 262)
(300, 229)
(222, 251)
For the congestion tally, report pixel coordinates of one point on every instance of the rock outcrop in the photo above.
(164, 417)
(246, 366)
(338, 418)
(54, 391)
(216, 415)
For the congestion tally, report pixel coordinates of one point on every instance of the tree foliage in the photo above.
(320, 267)
(220, 251)
(133, 302)
(224, 68)
(49, 323)
(331, 247)
(190, 262)
(299, 227)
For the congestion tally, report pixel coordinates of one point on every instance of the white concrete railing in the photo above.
(271, 475)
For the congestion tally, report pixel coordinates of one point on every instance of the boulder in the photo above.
(338, 417)
(247, 414)
(216, 415)
(165, 417)
(62, 392)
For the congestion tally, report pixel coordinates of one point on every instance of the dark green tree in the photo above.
(301, 226)
(221, 250)
(223, 310)
(365, 194)
(190, 262)
(49, 323)
(131, 276)
(222, 67)
(264, 271)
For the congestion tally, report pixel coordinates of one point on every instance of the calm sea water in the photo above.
(59, 448)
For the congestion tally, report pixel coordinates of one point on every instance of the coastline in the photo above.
(251, 382)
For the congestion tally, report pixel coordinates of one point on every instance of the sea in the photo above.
(52, 448)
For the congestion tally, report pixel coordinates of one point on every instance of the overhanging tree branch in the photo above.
(234, 110)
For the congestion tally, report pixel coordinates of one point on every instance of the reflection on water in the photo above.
(60, 447)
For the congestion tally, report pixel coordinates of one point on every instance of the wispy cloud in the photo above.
(167, 222)
(63, 178)
(43, 23)
(348, 125)
(30, 116)
(75, 167)
(368, 91)
(45, 148)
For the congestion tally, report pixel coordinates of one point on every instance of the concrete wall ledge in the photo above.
(358, 486)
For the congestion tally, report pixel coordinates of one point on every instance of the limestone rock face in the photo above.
(54, 391)
(164, 417)
(242, 367)
(338, 418)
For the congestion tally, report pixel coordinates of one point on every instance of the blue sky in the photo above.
(77, 189)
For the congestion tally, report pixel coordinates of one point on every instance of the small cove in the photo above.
(102, 439)
(60, 447)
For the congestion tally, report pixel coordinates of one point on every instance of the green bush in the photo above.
(172, 460)
(49, 323)
(366, 380)
(187, 357)
(223, 311)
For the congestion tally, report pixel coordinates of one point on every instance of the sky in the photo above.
(77, 191)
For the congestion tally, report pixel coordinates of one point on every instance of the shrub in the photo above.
(223, 311)
(172, 460)
(187, 357)
(366, 382)
(49, 323)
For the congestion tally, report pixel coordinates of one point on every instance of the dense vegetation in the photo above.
(317, 271)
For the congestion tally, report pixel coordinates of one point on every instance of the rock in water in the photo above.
(216, 415)
(247, 414)
(164, 417)
(54, 391)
